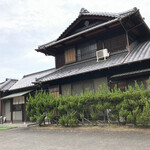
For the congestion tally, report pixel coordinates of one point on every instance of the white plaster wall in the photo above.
(17, 115)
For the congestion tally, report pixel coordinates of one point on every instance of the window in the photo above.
(17, 107)
(121, 85)
(82, 86)
(116, 43)
(66, 89)
(139, 82)
(77, 88)
(70, 55)
(55, 91)
(86, 50)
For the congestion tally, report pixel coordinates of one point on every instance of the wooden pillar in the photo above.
(11, 109)
(0, 108)
(24, 109)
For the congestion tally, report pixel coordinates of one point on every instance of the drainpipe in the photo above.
(127, 39)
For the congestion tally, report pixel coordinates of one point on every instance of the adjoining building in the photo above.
(4, 90)
(96, 49)
(14, 104)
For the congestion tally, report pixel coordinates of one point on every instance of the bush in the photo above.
(130, 106)
(40, 119)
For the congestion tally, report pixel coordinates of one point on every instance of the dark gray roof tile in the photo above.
(6, 85)
(139, 52)
(27, 80)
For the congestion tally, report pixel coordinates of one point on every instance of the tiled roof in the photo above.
(115, 18)
(27, 80)
(139, 51)
(6, 85)
(85, 12)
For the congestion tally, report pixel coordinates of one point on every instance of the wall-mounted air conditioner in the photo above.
(103, 53)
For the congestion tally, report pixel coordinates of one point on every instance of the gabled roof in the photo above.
(28, 80)
(6, 85)
(139, 51)
(103, 15)
(112, 20)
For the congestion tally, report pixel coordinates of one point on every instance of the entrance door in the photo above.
(7, 112)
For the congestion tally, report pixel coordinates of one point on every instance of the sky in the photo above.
(26, 24)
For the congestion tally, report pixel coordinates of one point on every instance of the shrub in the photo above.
(131, 106)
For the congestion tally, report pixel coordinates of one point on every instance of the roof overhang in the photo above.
(131, 74)
(49, 48)
(15, 95)
(53, 47)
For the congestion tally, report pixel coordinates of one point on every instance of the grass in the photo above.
(5, 127)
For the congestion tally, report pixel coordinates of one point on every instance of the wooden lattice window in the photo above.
(116, 43)
(86, 50)
(70, 55)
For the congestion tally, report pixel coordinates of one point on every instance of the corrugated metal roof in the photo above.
(6, 85)
(27, 80)
(139, 52)
(15, 95)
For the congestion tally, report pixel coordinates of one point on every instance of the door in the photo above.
(7, 112)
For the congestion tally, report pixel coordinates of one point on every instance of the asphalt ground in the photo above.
(36, 138)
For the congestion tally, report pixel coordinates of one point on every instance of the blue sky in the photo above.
(25, 24)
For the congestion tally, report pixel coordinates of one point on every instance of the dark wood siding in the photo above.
(70, 55)
(59, 60)
(113, 44)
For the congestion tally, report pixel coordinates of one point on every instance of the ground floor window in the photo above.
(54, 90)
(123, 84)
(17, 107)
(82, 86)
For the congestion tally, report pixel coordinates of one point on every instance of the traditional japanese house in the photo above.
(4, 90)
(14, 104)
(97, 49)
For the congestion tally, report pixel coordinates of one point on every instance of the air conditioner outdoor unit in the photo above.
(103, 53)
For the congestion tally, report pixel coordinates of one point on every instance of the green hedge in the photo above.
(130, 106)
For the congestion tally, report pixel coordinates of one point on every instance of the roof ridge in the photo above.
(84, 11)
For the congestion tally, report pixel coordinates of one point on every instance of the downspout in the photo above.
(127, 39)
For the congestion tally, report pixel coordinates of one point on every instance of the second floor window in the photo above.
(86, 50)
